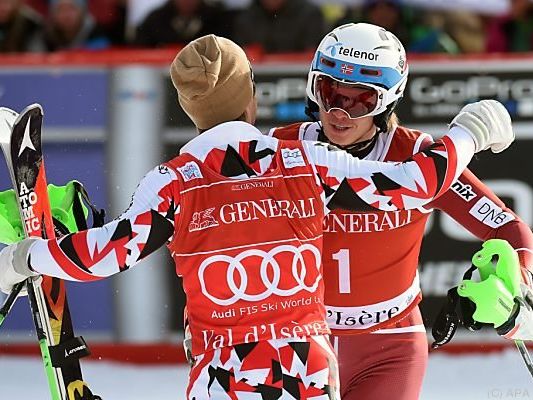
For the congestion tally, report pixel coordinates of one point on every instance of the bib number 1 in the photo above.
(343, 259)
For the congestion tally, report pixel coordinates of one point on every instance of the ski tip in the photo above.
(32, 108)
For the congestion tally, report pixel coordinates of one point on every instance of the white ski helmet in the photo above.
(360, 69)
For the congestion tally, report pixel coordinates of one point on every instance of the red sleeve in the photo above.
(359, 185)
(93, 254)
(473, 205)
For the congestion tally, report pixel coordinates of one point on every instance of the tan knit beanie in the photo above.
(213, 78)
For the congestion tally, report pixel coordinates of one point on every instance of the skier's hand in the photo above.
(14, 265)
(500, 298)
(512, 318)
(494, 302)
(489, 124)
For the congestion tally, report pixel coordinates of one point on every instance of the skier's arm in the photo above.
(359, 185)
(474, 206)
(100, 252)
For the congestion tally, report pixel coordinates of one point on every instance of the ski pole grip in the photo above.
(8, 303)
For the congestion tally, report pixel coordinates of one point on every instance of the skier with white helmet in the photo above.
(366, 62)
(358, 75)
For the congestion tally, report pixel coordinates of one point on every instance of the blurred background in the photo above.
(100, 70)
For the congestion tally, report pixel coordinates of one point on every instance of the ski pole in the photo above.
(51, 376)
(525, 355)
(8, 303)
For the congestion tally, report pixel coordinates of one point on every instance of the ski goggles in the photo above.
(355, 99)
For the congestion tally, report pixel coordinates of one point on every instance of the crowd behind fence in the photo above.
(273, 26)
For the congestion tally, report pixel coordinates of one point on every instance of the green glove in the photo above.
(11, 230)
(494, 296)
(61, 203)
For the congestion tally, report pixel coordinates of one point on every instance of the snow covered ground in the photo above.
(473, 377)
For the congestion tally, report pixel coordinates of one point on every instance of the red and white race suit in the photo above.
(370, 262)
(242, 216)
(370, 258)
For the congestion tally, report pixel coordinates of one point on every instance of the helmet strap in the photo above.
(312, 110)
(382, 120)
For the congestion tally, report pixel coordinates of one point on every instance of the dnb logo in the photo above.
(254, 274)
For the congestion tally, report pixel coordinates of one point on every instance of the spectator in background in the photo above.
(422, 31)
(181, 21)
(114, 22)
(71, 26)
(20, 27)
(467, 29)
(428, 34)
(446, 31)
(280, 25)
(513, 32)
(388, 14)
(40, 6)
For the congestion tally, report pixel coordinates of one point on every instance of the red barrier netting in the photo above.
(163, 57)
(172, 353)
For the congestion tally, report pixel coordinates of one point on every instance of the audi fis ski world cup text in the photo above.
(264, 307)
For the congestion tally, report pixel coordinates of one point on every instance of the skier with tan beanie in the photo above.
(215, 84)
(241, 214)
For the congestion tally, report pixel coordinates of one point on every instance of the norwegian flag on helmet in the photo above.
(346, 69)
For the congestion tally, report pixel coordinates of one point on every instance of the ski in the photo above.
(20, 139)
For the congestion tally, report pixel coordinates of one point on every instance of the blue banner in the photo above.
(70, 98)
(91, 304)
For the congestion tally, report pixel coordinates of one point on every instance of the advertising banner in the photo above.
(70, 97)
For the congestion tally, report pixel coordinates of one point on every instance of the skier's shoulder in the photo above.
(233, 141)
(405, 141)
(296, 131)
(406, 135)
